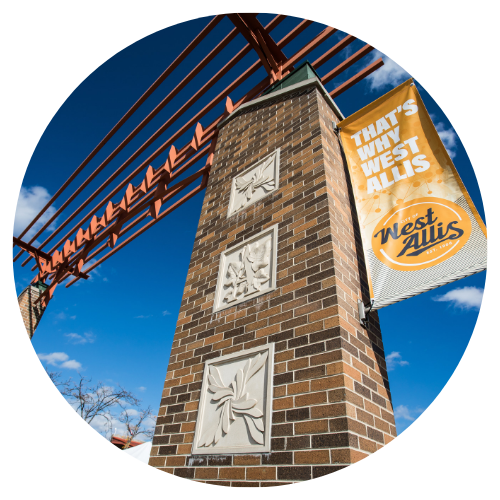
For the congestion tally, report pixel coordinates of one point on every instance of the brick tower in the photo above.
(271, 378)
(31, 312)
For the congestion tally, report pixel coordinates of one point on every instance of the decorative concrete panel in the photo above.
(255, 182)
(236, 403)
(247, 270)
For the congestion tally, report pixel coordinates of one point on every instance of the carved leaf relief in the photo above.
(234, 402)
(255, 183)
(248, 274)
(248, 186)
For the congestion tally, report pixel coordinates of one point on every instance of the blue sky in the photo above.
(118, 326)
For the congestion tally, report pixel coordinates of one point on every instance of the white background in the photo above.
(49, 47)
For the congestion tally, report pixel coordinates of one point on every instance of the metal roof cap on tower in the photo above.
(300, 74)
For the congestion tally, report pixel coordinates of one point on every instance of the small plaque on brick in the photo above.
(236, 403)
(247, 270)
(255, 182)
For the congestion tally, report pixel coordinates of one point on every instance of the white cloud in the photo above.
(142, 316)
(389, 75)
(142, 388)
(403, 412)
(394, 359)
(71, 364)
(166, 313)
(72, 317)
(61, 316)
(107, 427)
(31, 201)
(131, 412)
(53, 358)
(75, 338)
(113, 426)
(468, 297)
(448, 136)
(61, 360)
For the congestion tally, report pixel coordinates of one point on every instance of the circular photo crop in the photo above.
(272, 213)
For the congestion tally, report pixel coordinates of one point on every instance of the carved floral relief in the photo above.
(248, 270)
(235, 403)
(255, 183)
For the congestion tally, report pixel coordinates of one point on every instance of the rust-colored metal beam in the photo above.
(30, 249)
(314, 43)
(357, 78)
(251, 39)
(75, 263)
(152, 139)
(267, 43)
(271, 56)
(261, 86)
(347, 64)
(129, 138)
(294, 33)
(210, 26)
(170, 209)
(175, 190)
(131, 204)
(208, 134)
(171, 193)
(334, 51)
(148, 198)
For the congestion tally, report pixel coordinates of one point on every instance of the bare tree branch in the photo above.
(91, 401)
(135, 424)
(109, 403)
(55, 379)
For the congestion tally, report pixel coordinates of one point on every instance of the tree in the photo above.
(135, 423)
(55, 379)
(103, 401)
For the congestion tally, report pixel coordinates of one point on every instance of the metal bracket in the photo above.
(364, 312)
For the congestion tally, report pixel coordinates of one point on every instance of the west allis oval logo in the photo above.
(421, 233)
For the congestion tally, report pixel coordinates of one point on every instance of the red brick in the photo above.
(312, 457)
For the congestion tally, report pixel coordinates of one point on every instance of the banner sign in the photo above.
(419, 227)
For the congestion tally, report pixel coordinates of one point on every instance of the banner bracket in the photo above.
(364, 312)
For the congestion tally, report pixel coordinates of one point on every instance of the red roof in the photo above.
(120, 441)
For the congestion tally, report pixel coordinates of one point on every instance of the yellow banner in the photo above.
(413, 209)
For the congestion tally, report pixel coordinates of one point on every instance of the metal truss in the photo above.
(103, 227)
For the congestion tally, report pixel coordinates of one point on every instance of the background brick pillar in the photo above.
(331, 404)
(31, 312)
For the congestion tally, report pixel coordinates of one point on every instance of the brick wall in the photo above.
(30, 312)
(331, 403)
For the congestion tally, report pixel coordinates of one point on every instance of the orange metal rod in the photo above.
(301, 53)
(142, 230)
(334, 51)
(294, 33)
(315, 42)
(136, 130)
(343, 87)
(175, 190)
(357, 78)
(347, 63)
(62, 272)
(143, 206)
(167, 124)
(210, 26)
(157, 133)
(147, 198)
